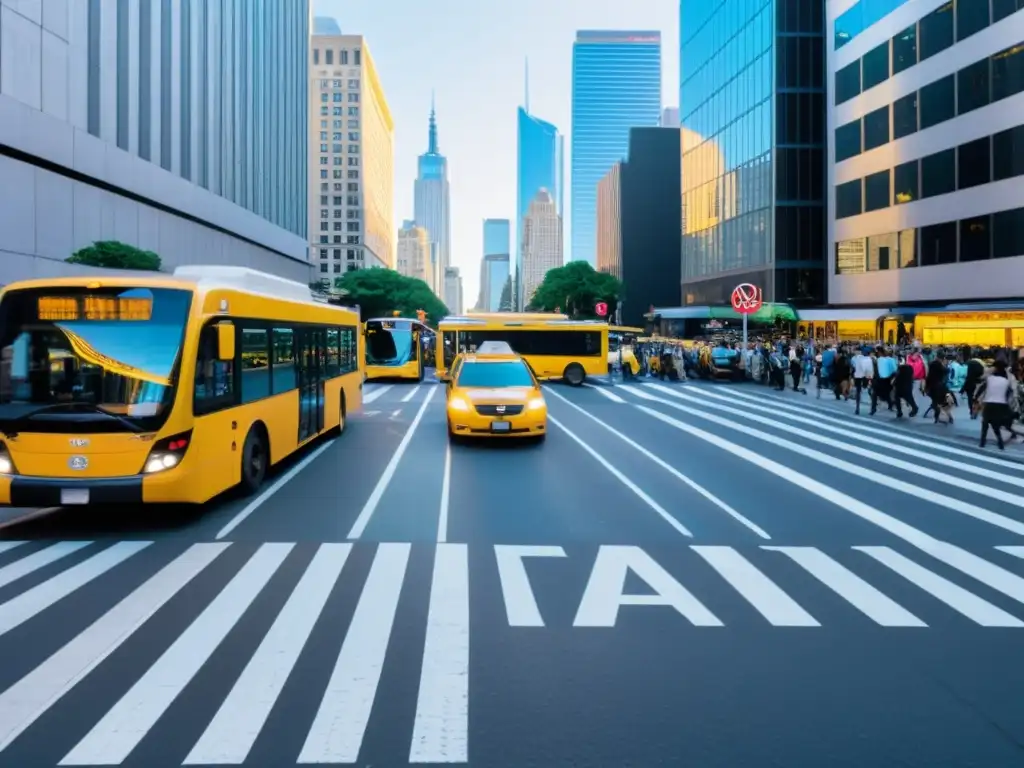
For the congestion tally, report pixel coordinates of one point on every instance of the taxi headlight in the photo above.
(6, 464)
(536, 404)
(458, 405)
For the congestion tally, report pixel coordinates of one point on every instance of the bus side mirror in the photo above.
(225, 342)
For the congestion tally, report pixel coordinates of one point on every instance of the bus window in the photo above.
(215, 378)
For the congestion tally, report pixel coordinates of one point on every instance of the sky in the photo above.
(472, 53)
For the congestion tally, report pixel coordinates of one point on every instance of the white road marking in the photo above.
(411, 394)
(693, 485)
(395, 414)
(995, 577)
(847, 433)
(604, 593)
(371, 413)
(34, 601)
(340, 723)
(359, 526)
(29, 698)
(623, 479)
(446, 483)
(1016, 551)
(113, 738)
(956, 597)
(761, 592)
(375, 394)
(237, 724)
(40, 559)
(7, 546)
(520, 602)
(610, 395)
(851, 587)
(441, 726)
(277, 485)
(918, 492)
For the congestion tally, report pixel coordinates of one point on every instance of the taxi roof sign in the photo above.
(494, 348)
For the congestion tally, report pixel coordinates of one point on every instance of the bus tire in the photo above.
(338, 430)
(255, 459)
(574, 374)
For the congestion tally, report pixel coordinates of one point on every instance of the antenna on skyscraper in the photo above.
(526, 104)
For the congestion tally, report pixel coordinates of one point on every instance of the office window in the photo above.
(848, 141)
(908, 248)
(1008, 73)
(936, 31)
(938, 244)
(906, 180)
(938, 102)
(973, 87)
(1008, 153)
(974, 163)
(876, 128)
(316, 55)
(876, 66)
(976, 239)
(343, 58)
(849, 201)
(255, 347)
(971, 17)
(938, 173)
(357, 56)
(1008, 233)
(1003, 8)
(877, 190)
(904, 49)
(904, 116)
(92, 85)
(882, 252)
(328, 56)
(123, 68)
(848, 82)
(166, 57)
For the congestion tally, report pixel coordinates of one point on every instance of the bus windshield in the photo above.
(389, 342)
(83, 360)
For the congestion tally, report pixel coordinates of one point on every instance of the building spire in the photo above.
(432, 140)
(526, 102)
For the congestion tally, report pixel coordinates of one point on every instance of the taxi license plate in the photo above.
(500, 426)
(74, 495)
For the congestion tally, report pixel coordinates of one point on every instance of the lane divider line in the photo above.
(610, 395)
(376, 393)
(412, 394)
(701, 490)
(446, 487)
(359, 526)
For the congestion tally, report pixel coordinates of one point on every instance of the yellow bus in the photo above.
(554, 348)
(394, 348)
(165, 389)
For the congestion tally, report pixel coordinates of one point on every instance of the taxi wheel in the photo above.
(255, 459)
(574, 374)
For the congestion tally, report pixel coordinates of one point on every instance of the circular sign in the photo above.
(601, 309)
(746, 298)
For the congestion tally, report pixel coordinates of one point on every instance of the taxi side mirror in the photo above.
(225, 341)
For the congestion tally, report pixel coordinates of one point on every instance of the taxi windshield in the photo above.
(511, 374)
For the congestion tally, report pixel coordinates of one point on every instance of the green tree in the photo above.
(112, 254)
(505, 302)
(381, 292)
(575, 290)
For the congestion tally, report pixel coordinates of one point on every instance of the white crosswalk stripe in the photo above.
(776, 586)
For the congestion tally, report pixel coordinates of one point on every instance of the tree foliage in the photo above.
(505, 302)
(382, 292)
(575, 290)
(112, 254)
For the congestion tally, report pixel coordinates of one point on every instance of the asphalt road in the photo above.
(681, 575)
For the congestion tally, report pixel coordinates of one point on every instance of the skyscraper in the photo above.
(542, 243)
(540, 164)
(453, 290)
(414, 254)
(616, 85)
(494, 266)
(752, 109)
(351, 160)
(431, 205)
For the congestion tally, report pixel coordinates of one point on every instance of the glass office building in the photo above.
(540, 166)
(496, 236)
(616, 85)
(753, 185)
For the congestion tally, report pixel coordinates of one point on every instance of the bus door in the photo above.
(312, 351)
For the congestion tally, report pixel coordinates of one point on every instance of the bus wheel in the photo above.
(255, 458)
(341, 416)
(574, 374)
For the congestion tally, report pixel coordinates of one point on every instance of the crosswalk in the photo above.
(260, 632)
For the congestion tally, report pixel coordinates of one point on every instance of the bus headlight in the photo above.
(458, 405)
(6, 463)
(167, 453)
(536, 404)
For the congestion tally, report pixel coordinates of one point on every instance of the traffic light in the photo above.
(421, 315)
(395, 313)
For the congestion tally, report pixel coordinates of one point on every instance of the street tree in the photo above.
(382, 292)
(113, 254)
(575, 290)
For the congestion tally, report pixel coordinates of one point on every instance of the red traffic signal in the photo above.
(601, 309)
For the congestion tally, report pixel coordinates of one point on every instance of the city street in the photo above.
(681, 575)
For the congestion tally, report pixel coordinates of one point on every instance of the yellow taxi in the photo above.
(493, 393)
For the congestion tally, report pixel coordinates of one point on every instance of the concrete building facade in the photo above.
(151, 124)
(542, 243)
(414, 254)
(453, 290)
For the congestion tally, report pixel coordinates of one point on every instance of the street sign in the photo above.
(601, 309)
(746, 298)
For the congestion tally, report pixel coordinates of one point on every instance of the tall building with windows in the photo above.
(414, 254)
(351, 160)
(432, 197)
(609, 232)
(542, 243)
(173, 127)
(616, 85)
(453, 290)
(494, 266)
(540, 164)
(752, 109)
(926, 170)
